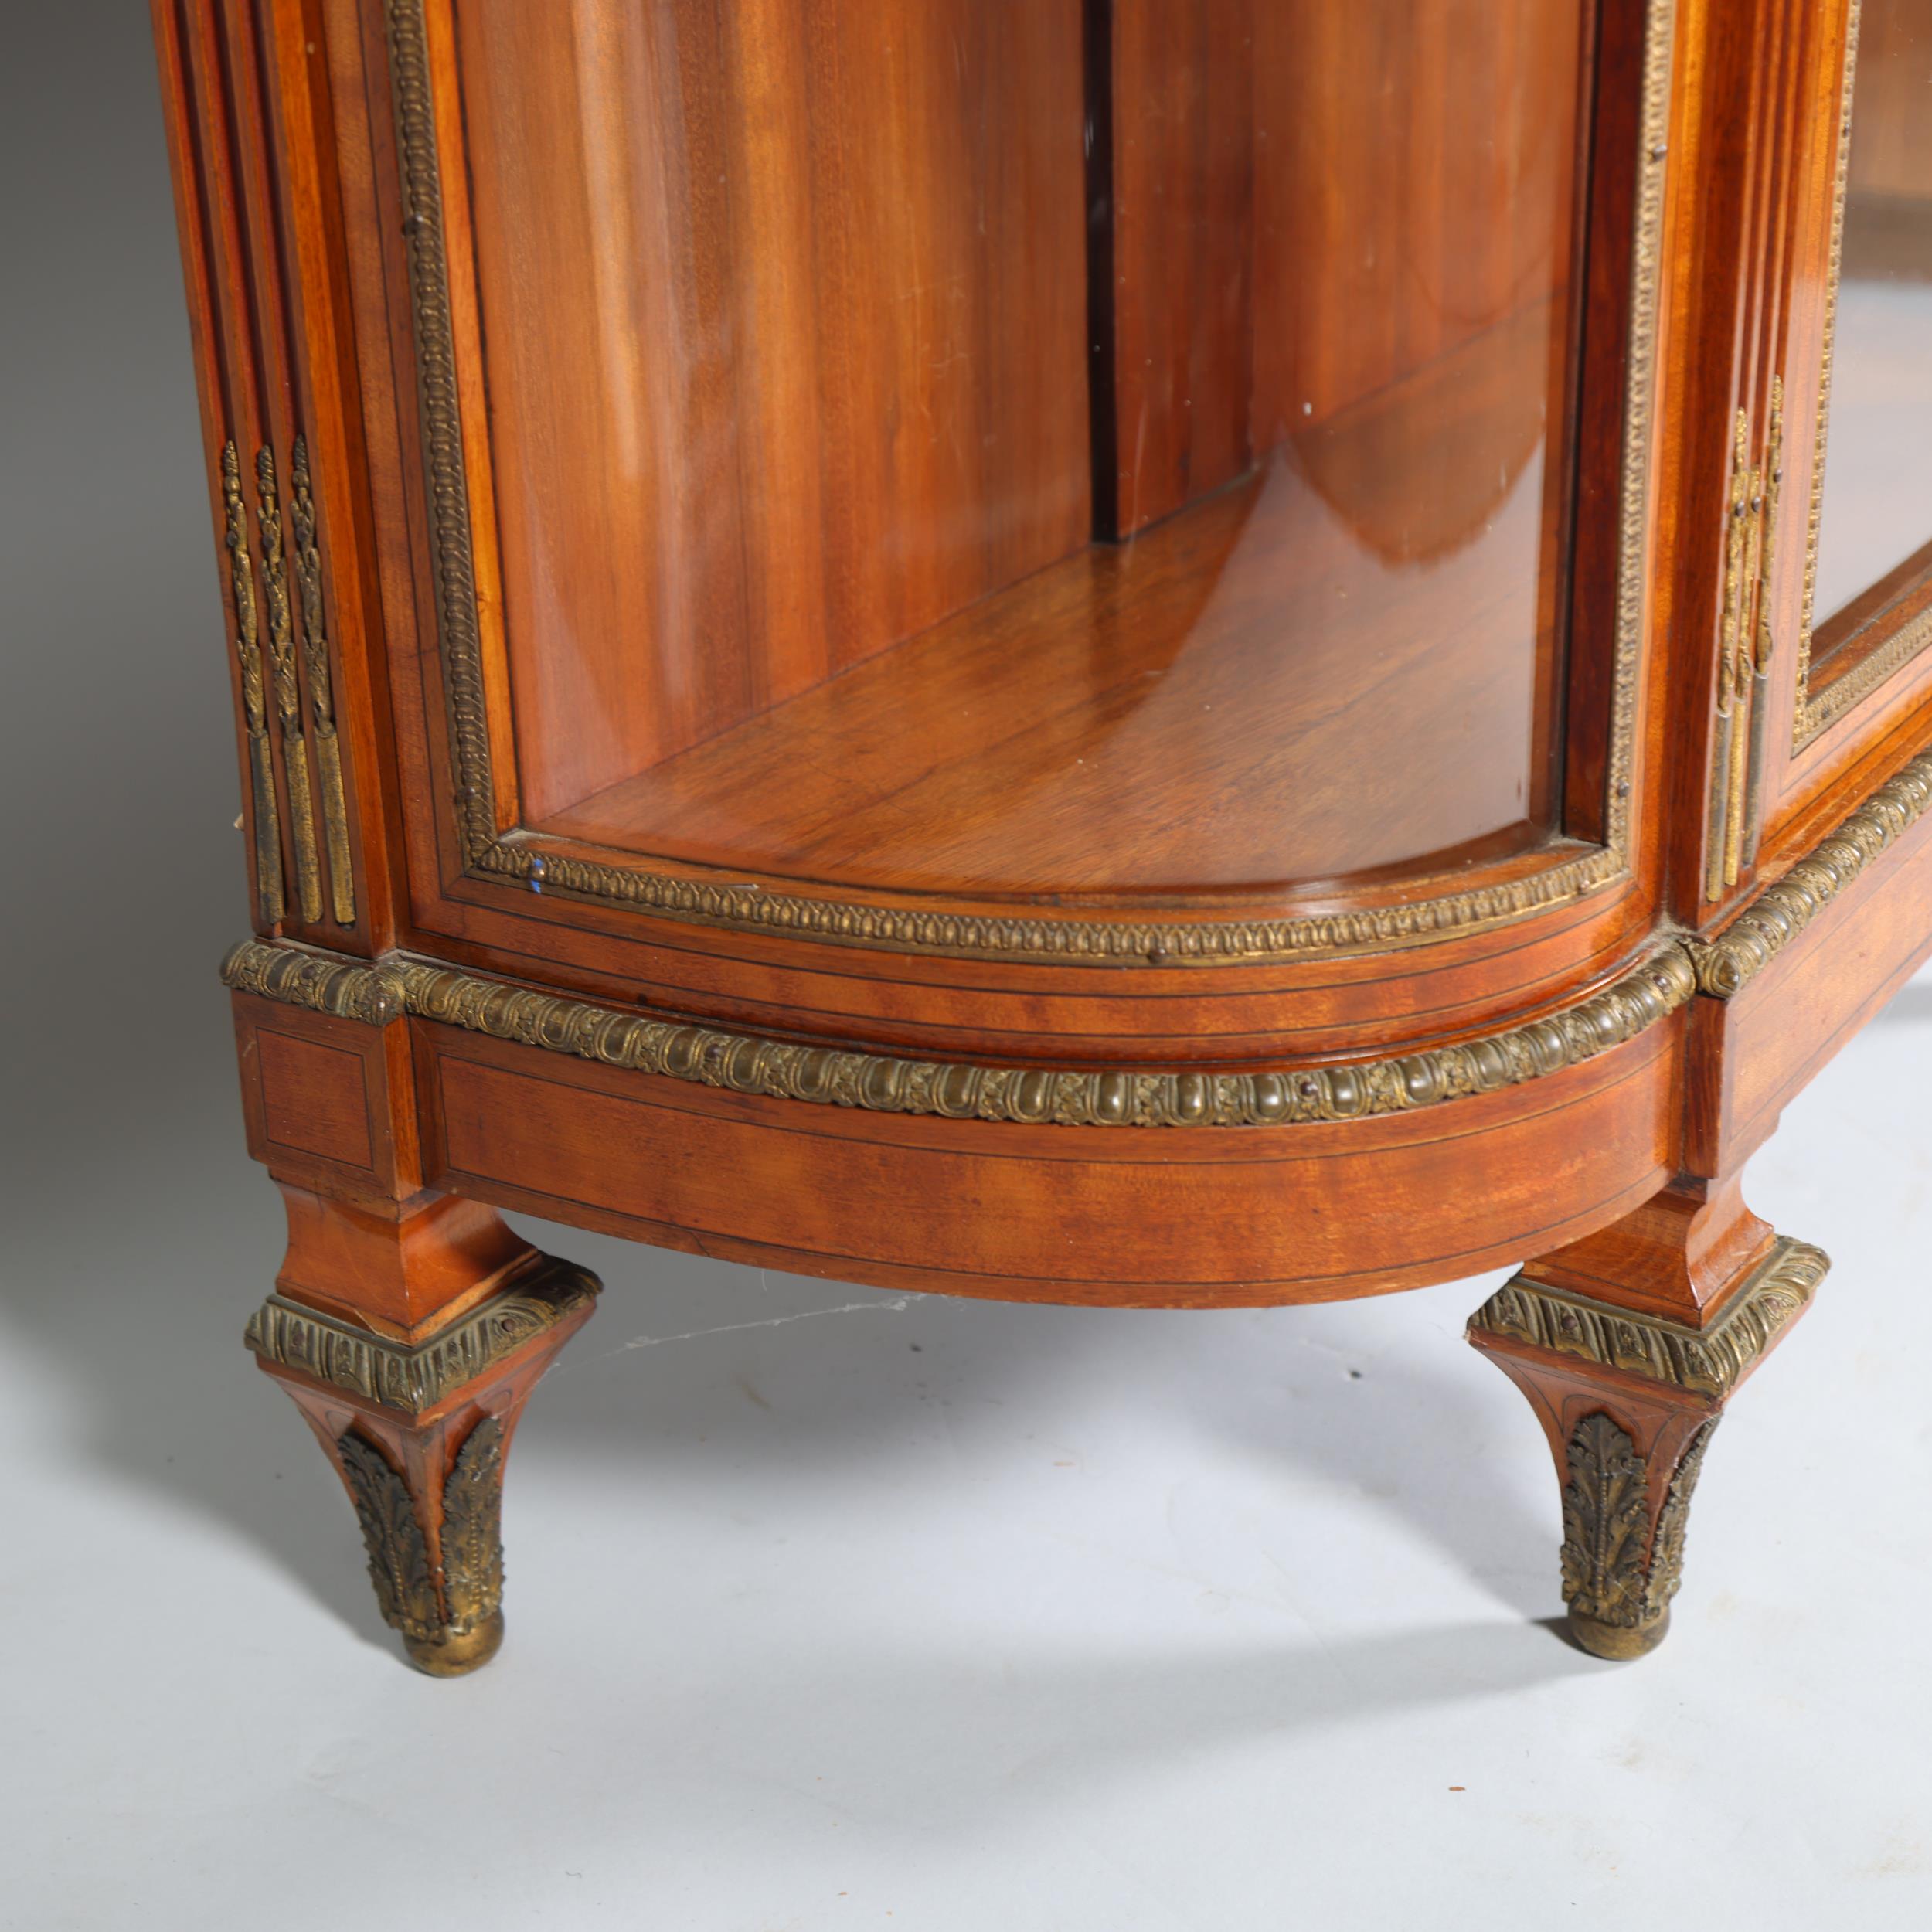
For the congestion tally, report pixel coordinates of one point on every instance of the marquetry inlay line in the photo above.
(834, 1077)
(1424, 916)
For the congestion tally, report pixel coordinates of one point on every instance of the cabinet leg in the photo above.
(1630, 1396)
(418, 1425)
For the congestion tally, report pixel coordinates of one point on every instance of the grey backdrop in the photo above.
(131, 1226)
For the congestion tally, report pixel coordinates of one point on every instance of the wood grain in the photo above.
(1251, 694)
(782, 306)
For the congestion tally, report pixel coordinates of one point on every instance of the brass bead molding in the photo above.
(490, 854)
(413, 1380)
(1725, 964)
(833, 1076)
(1709, 1361)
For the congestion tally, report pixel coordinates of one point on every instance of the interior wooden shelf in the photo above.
(1331, 667)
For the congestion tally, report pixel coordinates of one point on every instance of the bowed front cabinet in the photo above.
(1159, 653)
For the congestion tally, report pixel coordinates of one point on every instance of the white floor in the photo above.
(831, 1609)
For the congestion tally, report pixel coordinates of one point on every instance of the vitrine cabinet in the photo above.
(1166, 653)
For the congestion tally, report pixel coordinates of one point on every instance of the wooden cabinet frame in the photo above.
(1561, 1055)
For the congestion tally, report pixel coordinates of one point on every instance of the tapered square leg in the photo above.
(419, 1432)
(1629, 1400)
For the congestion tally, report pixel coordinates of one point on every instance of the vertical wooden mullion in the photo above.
(315, 297)
(237, 408)
(269, 463)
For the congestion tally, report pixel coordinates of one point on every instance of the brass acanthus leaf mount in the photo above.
(1616, 1571)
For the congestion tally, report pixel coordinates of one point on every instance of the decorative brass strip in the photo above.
(348, 989)
(288, 696)
(1711, 1360)
(1779, 913)
(1867, 674)
(248, 654)
(414, 1379)
(449, 506)
(1020, 937)
(1745, 647)
(321, 691)
(1099, 1096)
(1614, 1571)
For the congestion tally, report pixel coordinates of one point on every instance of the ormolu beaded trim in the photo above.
(836, 1076)
(517, 857)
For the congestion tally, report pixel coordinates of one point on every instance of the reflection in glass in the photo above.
(1875, 529)
(938, 450)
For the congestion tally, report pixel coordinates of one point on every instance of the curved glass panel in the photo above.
(1875, 532)
(1022, 447)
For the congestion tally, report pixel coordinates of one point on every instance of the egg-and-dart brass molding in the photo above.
(1020, 937)
(1710, 1361)
(836, 1076)
(1726, 964)
(1815, 710)
(413, 1380)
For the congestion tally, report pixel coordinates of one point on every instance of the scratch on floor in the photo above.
(770, 1321)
